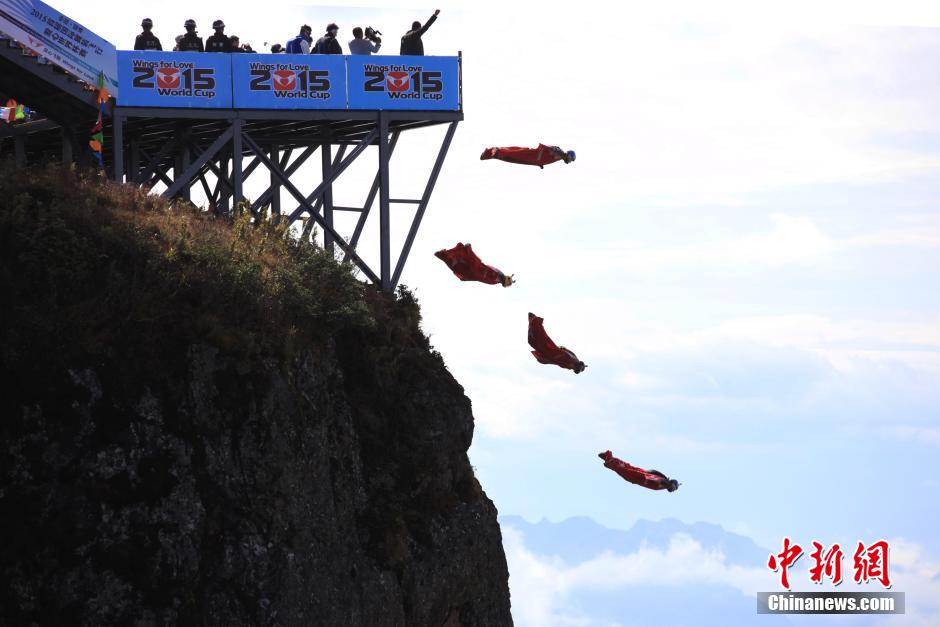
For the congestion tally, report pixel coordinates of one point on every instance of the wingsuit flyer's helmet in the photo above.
(218, 24)
(189, 24)
(673, 485)
(571, 155)
(146, 23)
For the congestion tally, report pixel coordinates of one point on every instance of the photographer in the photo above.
(365, 45)
(237, 45)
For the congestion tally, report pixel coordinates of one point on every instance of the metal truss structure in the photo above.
(184, 148)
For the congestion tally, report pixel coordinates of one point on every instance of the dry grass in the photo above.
(83, 256)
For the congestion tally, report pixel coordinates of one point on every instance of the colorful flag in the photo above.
(97, 135)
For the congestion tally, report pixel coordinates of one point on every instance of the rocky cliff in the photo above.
(205, 422)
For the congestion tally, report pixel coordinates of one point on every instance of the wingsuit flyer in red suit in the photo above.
(652, 479)
(547, 352)
(541, 156)
(468, 267)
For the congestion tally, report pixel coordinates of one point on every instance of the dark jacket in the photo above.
(411, 41)
(327, 45)
(147, 41)
(191, 43)
(218, 43)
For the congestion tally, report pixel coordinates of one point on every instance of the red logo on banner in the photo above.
(285, 80)
(398, 81)
(168, 78)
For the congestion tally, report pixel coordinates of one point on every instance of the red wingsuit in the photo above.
(546, 351)
(541, 156)
(639, 476)
(467, 266)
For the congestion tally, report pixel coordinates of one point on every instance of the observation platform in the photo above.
(208, 121)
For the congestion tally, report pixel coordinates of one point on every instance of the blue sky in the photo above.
(746, 253)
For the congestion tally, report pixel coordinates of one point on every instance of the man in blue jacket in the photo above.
(301, 43)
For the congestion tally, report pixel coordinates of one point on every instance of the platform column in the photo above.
(237, 155)
(182, 159)
(276, 185)
(224, 195)
(133, 171)
(326, 154)
(66, 137)
(385, 249)
(117, 135)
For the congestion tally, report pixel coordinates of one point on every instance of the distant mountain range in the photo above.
(577, 541)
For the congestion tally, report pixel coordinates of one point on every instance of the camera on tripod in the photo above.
(373, 35)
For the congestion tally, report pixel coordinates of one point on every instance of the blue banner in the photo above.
(62, 40)
(175, 79)
(422, 83)
(289, 81)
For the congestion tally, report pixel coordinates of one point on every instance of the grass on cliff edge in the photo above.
(85, 262)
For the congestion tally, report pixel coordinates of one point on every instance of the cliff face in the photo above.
(178, 447)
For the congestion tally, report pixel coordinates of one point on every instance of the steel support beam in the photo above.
(160, 172)
(370, 199)
(334, 174)
(306, 206)
(205, 187)
(225, 191)
(134, 165)
(153, 163)
(252, 165)
(385, 250)
(237, 156)
(221, 178)
(117, 136)
(425, 198)
(265, 197)
(274, 186)
(184, 178)
(66, 136)
(326, 164)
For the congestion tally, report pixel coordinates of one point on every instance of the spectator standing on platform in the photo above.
(363, 45)
(147, 40)
(301, 43)
(219, 42)
(328, 43)
(277, 49)
(237, 45)
(190, 42)
(411, 41)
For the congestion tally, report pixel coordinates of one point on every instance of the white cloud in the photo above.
(545, 589)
